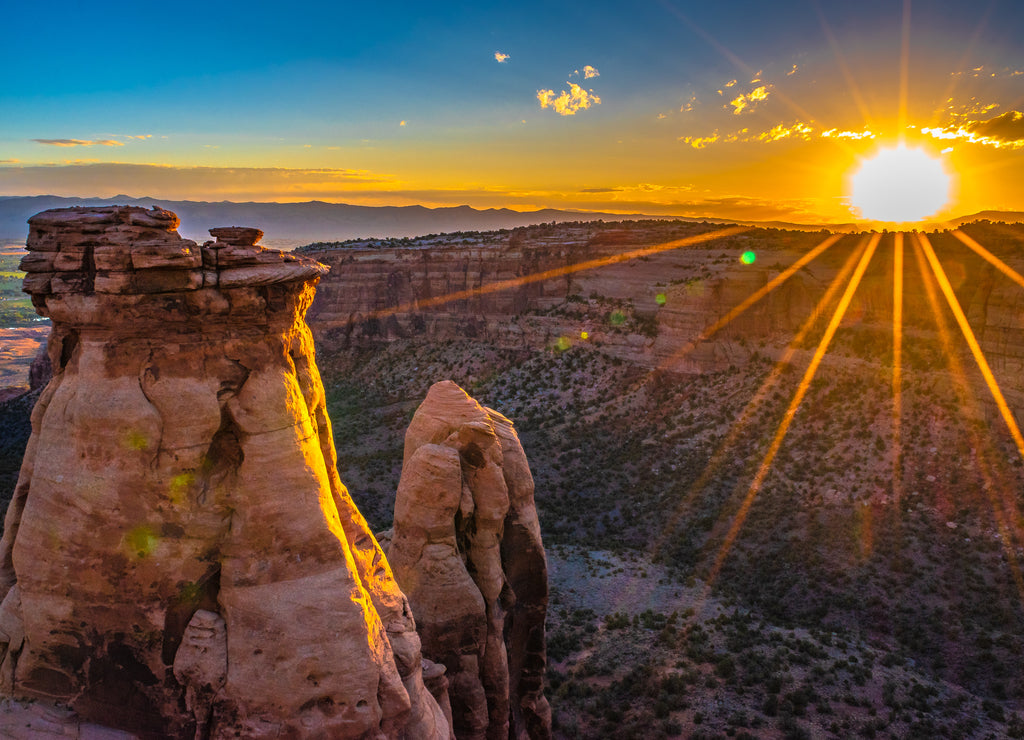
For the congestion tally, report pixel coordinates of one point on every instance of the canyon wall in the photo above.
(653, 310)
(181, 557)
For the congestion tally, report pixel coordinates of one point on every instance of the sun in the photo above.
(899, 184)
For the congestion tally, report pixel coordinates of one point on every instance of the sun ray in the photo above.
(991, 258)
(851, 83)
(897, 365)
(1006, 513)
(805, 383)
(972, 342)
(767, 386)
(461, 295)
(968, 50)
(745, 68)
(901, 124)
(749, 301)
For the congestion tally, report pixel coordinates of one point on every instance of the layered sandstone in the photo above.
(467, 551)
(180, 557)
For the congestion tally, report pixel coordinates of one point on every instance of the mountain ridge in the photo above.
(287, 225)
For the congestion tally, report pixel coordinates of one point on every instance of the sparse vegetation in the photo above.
(852, 602)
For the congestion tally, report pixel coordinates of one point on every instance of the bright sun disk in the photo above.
(899, 184)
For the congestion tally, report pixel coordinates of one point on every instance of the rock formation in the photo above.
(180, 557)
(466, 549)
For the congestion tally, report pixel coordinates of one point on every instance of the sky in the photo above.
(735, 109)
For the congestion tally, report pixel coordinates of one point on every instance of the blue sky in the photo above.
(405, 102)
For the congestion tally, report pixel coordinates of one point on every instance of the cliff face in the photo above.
(180, 556)
(467, 550)
(653, 310)
(642, 310)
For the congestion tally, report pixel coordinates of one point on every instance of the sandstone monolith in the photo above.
(180, 557)
(467, 551)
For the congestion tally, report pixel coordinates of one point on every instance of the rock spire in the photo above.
(466, 549)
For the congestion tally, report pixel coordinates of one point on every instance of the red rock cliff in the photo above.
(181, 556)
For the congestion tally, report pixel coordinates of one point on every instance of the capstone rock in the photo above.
(181, 558)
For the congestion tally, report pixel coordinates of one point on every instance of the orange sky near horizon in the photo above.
(724, 111)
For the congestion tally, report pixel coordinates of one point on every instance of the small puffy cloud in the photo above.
(699, 142)
(78, 142)
(401, 123)
(777, 133)
(501, 58)
(568, 103)
(834, 133)
(1005, 131)
(792, 72)
(689, 105)
(749, 101)
(985, 72)
(662, 116)
(730, 83)
(589, 72)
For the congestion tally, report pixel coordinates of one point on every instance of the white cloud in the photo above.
(568, 103)
(501, 58)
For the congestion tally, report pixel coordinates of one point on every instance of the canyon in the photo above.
(871, 588)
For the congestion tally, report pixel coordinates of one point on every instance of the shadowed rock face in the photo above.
(466, 549)
(180, 556)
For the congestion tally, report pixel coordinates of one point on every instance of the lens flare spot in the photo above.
(142, 541)
(748, 257)
(562, 344)
(660, 299)
(617, 318)
(584, 335)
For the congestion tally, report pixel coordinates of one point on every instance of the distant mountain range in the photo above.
(300, 223)
(291, 224)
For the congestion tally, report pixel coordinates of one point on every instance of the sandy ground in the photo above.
(608, 582)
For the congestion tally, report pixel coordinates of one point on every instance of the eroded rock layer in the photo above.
(467, 551)
(180, 556)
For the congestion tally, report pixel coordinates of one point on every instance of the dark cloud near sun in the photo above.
(1008, 127)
